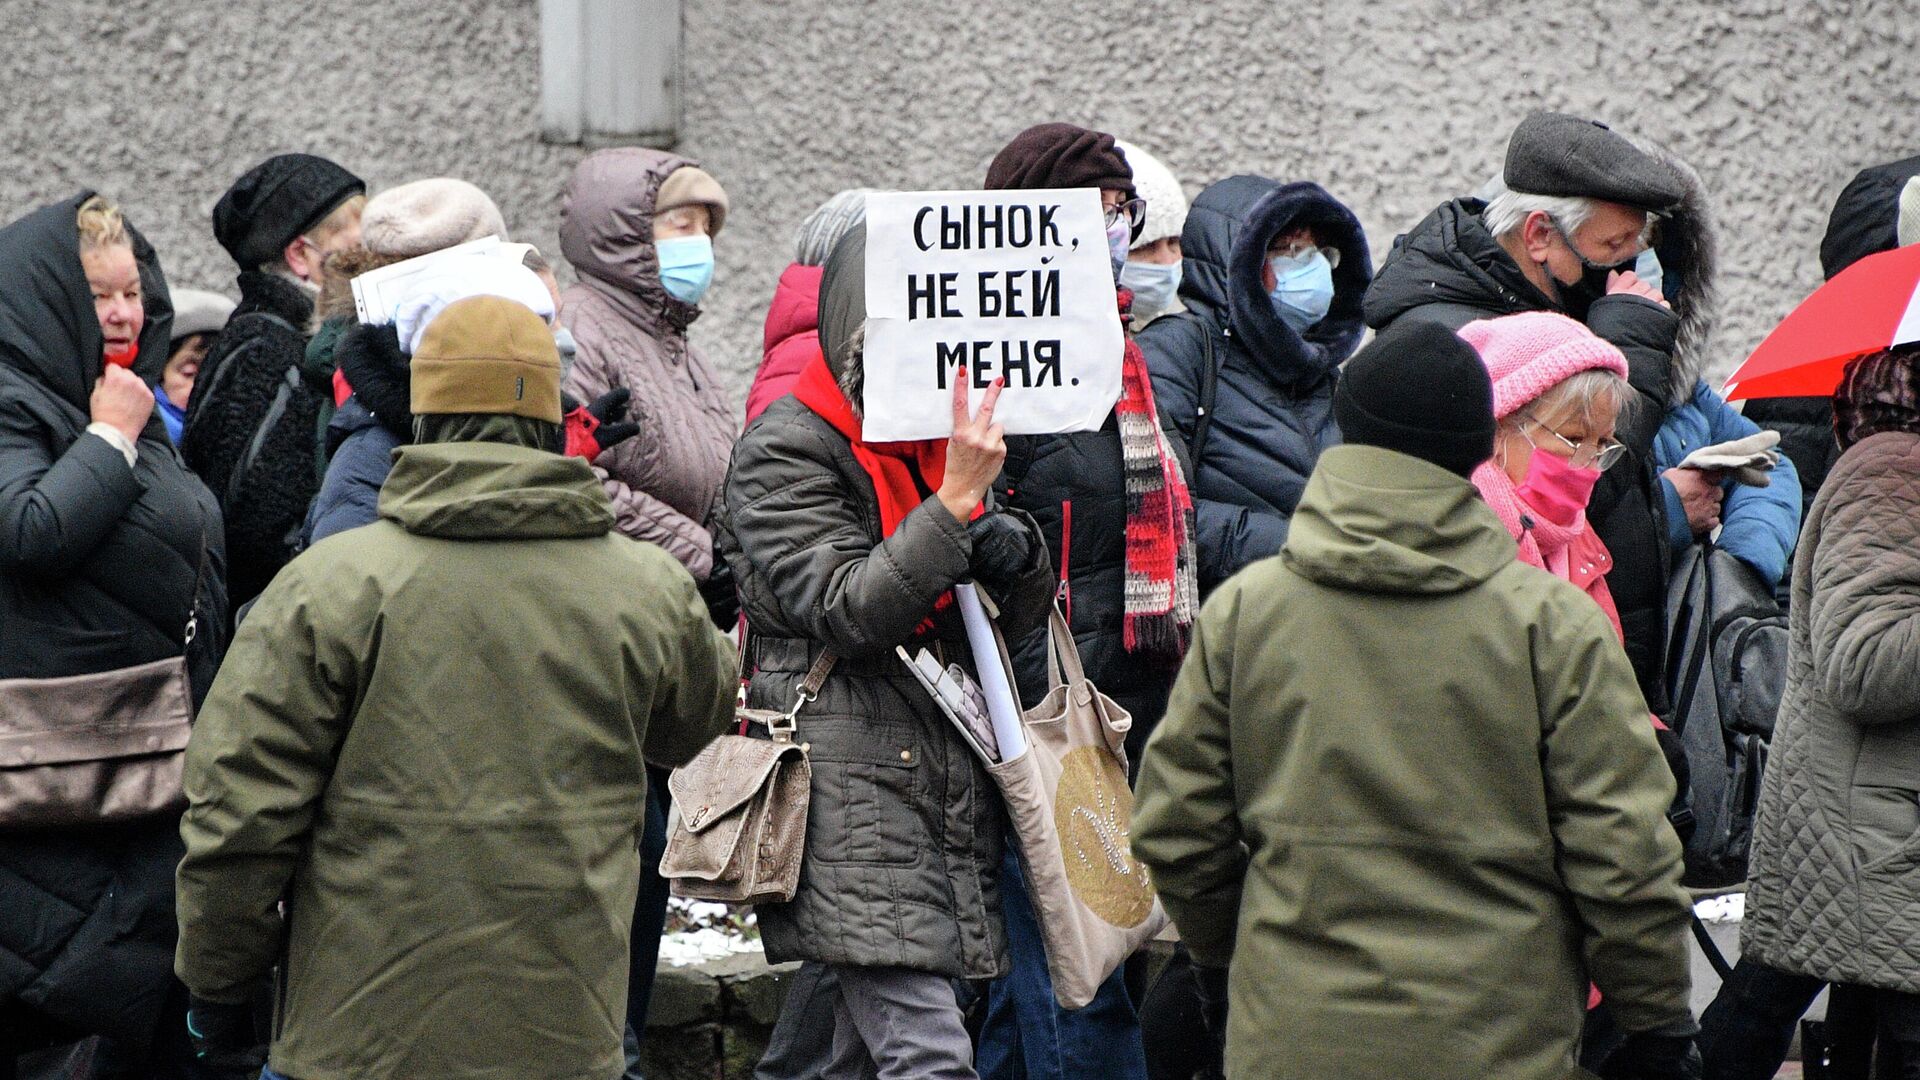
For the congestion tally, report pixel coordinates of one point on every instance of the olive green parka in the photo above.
(429, 738)
(1407, 790)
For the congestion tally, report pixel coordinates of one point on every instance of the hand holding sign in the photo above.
(975, 451)
(1014, 285)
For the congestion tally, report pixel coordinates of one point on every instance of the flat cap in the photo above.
(1561, 155)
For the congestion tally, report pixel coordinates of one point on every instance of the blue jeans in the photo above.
(1027, 1035)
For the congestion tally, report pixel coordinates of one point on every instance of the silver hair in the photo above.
(1588, 394)
(1509, 209)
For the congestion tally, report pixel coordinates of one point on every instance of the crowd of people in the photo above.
(451, 587)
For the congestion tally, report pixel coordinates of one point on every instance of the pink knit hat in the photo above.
(1529, 353)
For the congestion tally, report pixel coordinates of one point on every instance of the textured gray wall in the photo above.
(1393, 105)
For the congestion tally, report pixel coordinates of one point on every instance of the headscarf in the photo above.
(48, 329)
(1879, 392)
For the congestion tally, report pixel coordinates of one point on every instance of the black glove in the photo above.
(610, 409)
(1002, 549)
(1210, 986)
(222, 1037)
(723, 600)
(1648, 1056)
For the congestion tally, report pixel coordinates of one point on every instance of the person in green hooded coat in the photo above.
(430, 740)
(1405, 793)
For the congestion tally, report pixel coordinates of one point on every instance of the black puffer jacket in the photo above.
(1865, 221)
(1273, 401)
(98, 570)
(1075, 487)
(244, 372)
(1449, 270)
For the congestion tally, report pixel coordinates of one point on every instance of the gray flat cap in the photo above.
(1557, 154)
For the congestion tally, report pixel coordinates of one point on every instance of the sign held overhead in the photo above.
(1013, 285)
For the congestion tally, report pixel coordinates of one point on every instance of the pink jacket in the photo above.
(791, 339)
(630, 332)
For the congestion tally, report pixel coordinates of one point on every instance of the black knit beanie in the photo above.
(1060, 156)
(1418, 389)
(277, 200)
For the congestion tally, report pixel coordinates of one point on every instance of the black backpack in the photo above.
(1726, 670)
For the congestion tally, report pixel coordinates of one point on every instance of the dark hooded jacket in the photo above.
(1449, 269)
(1075, 487)
(1864, 222)
(1273, 399)
(631, 332)
(264, 486)
(904, 824)
(100, 567)
(376, 420)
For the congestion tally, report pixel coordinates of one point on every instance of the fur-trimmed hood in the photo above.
(1688, 247)
(1224, 245)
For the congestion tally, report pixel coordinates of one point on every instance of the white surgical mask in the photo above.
(1648, 269)
(1302, 288)
(1118, 235)
(1154, 286)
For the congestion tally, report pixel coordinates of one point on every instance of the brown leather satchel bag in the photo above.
(93, 749)
(739, 823)
(99, 748)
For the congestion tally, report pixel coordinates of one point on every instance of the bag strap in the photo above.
(1209, 392)
(783, 726)
(1697, 658)
(1715, 958)
(1063, 653)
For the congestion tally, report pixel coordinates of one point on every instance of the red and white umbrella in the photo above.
(1870, 306)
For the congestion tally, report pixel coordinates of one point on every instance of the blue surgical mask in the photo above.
(1154, 286)
(686, 267)
(1647, 268)
(1118, 235)
(1302, 288)
(563, 344)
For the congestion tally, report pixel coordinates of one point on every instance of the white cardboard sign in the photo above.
(1015, 285)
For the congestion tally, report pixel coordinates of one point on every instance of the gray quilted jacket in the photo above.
(631, 333)
(903, 828)
(1834, 887)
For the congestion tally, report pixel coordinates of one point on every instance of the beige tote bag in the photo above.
(1072, 815)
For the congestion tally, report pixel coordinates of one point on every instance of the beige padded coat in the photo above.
(1834, 883)
(631, 333)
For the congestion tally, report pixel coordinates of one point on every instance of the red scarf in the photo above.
(890, 466)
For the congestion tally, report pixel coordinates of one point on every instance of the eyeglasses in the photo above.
(1600, 454)
(1301, 247)
(1134, 210)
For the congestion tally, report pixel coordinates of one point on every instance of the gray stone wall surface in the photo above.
(1393, 105)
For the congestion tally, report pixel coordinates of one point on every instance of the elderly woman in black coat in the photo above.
(109, 549)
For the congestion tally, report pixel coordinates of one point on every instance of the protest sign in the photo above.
(1012, 284)
(378, 294)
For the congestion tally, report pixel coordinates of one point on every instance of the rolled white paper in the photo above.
(1002, 706)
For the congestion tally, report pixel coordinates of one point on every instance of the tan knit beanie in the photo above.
(428, 215)
(690, 185)
(487, 355)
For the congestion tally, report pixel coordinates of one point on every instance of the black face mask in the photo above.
(1576, 298)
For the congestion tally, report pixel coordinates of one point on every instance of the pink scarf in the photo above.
(1540, 540)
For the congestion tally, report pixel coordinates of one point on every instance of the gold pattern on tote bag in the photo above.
(1093, 812)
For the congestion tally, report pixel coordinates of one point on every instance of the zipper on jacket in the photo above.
(1065, 592)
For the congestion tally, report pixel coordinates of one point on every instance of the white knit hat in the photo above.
(426, 216)
(1166, 202)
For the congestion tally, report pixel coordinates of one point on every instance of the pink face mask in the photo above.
(1555, 489)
